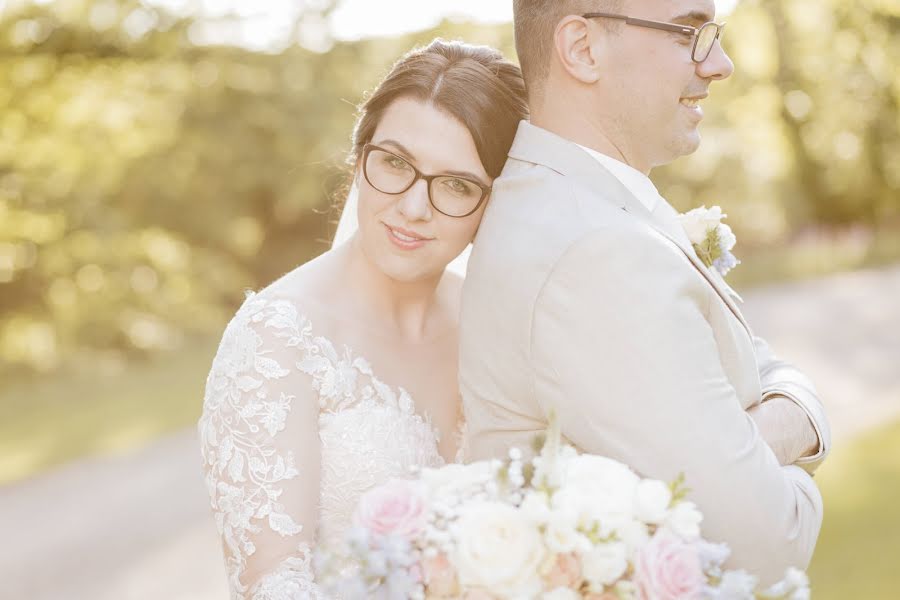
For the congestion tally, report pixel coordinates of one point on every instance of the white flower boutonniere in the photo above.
(712, 239)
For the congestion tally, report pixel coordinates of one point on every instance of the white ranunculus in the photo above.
(736, 585)
(604, 564)
(536, 507)
(561, 535)
(651, 501)
(727, 239)
(498, 549)
(634, 534)
(684, 520)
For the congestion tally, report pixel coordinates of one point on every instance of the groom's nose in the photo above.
(718, 65)
(414, 203)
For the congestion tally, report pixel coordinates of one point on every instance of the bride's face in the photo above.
(403, 233)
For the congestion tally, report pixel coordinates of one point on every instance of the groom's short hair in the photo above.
(535, 22)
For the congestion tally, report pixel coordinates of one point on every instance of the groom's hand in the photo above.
(786, 428)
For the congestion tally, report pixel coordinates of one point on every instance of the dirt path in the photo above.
(138, 527)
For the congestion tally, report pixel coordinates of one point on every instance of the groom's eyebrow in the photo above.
(694, 17)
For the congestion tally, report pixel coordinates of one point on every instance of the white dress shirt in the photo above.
(637, 183)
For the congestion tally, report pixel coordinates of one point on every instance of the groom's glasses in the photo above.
(704, 37)
(450, 195)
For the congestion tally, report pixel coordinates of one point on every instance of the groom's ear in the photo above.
(574, 51)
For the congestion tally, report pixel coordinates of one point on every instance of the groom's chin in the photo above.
(686, 144)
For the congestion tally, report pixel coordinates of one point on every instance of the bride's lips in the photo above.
(404, 238)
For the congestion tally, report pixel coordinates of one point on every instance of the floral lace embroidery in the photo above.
(368, 432)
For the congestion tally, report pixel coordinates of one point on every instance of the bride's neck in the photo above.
(404, 308)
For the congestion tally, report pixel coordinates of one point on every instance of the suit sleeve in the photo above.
(779, 378)
(622, 349)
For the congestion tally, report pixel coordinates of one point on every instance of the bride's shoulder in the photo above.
(303, 290)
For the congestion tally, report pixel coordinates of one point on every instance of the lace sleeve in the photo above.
(261, 452)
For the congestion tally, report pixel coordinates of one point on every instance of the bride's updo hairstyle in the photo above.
(474, 84)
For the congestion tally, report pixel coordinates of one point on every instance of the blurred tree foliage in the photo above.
(146, 181)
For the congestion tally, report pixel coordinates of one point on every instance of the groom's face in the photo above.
(653, 95)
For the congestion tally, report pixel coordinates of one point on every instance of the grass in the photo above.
(48, 421)
(857, 552)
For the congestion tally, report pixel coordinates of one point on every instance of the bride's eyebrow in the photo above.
(403, 149)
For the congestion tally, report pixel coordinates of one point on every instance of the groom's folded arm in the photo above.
(621, 347)
(782, 379)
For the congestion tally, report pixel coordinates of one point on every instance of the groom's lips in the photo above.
(692, 103)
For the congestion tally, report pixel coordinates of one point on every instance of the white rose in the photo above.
(699, 221)
(561, 593)
(604, 564)
(498, 549)
(598, 489)
(684, 520)
(651, 501)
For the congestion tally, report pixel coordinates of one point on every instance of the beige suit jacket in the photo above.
(578, 299)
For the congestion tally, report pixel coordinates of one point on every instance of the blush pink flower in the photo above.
(440, 577)
(668, 569)
(566, 572)
(395, 508)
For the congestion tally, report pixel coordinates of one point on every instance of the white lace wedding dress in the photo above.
(293, 431)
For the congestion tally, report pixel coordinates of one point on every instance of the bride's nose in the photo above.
(414, 203)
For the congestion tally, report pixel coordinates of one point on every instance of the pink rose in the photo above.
(668, 569)
(566, 572)
(395, 508)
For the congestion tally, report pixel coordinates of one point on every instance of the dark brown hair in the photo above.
(474, 84)
(535, 23)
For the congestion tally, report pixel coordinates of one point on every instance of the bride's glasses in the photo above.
(704, 36)
(450, 195)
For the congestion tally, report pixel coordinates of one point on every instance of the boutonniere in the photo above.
(712, 239)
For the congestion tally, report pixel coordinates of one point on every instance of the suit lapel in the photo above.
(539, 146)
(666, 222)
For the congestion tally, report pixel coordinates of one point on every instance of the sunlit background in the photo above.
(159, 157)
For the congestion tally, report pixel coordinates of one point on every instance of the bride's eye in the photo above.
(395, 162)
(460, 187)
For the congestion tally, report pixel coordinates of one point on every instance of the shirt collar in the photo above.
(637, 183)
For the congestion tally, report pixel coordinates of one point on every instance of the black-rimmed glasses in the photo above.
(704, 37)
(450, 195)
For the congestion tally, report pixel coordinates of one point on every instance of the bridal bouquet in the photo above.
(562, 526)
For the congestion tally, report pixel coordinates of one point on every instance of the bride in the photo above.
(343, 373)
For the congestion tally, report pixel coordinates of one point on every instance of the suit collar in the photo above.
(539, 146)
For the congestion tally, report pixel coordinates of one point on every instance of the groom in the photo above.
(584, 294)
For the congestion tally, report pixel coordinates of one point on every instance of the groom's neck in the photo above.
(576, 125)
